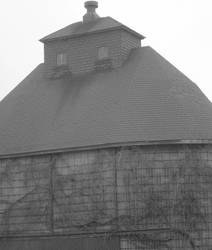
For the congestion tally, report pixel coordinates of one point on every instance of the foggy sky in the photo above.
(180, 30)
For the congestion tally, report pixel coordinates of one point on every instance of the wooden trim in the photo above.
(105, 146)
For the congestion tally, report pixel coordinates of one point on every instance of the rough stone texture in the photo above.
(163, 190)
(82, 51)
(61, 243)
(24, 192)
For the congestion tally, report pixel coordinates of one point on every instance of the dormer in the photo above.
(94, 44)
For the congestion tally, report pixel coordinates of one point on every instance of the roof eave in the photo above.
(133, 32)
(108, 145)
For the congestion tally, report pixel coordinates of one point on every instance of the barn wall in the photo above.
(158, 193)
(61, 243)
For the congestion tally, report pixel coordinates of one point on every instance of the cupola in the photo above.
(91, 14)
(92, 45)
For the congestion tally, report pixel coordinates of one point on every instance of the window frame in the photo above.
(103, 52)
(61, 59)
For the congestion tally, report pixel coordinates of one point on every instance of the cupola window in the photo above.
(61, 59)
(103, 53)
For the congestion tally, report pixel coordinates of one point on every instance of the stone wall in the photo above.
(153, 196)
(61, 243)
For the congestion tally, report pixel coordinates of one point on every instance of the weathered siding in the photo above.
(129, 42)
(61, 243)
(154, 192)
(82, 51)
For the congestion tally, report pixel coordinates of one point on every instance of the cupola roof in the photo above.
(85, 28)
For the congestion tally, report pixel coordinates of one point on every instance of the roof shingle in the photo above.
(81, 28)
(145, 100)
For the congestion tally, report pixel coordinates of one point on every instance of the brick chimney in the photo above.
(91, 14)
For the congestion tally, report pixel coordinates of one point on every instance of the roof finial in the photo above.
(91, 14)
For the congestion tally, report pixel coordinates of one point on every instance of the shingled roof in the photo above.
(84, 28)
(146, 100)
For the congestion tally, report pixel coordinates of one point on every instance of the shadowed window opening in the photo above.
(61, 59)
(103, 53)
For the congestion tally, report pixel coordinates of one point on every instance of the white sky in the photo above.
(180, 30)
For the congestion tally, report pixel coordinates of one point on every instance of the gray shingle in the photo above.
(145, 100)
(80, 28)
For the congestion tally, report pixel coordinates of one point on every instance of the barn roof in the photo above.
(145, 100)
(84, 28)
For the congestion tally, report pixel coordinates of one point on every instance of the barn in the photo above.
(105, 145)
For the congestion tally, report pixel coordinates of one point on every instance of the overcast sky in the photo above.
(180, 30)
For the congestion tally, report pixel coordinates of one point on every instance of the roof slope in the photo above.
(81, 28)
(147, 99)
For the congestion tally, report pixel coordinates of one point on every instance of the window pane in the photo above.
(102, 53)
(62, 59)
